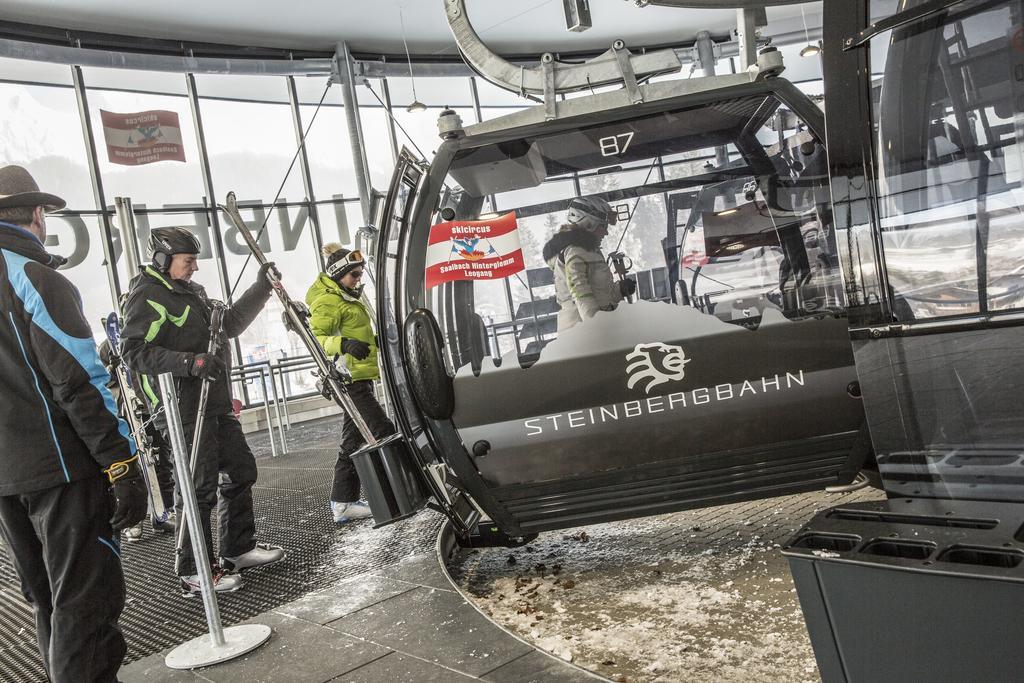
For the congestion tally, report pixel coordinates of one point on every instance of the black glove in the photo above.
(355, 348)
(130, 493)
(268, 267)
(207, 366)
(627, 287)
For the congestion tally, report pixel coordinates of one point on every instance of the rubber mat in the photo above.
(291, 511)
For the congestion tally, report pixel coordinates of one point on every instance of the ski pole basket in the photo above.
(390, 479)
(913, 590)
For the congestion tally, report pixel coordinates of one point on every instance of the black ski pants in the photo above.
(68, 559)
(164, 465)
(224, 476)
(346, 480)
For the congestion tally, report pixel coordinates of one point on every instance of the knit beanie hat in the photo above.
(341, 261)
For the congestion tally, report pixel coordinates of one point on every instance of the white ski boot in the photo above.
(260, 556)
(347, 512)
(222, 582)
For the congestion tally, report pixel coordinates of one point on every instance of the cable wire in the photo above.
(298, 149)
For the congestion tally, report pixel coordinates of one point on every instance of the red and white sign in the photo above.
(474, 250)
(142, 137)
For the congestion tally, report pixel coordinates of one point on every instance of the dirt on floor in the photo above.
(703, 595)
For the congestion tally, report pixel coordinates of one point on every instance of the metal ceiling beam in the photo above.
(552, 76)
(718, 4)
(63, 54)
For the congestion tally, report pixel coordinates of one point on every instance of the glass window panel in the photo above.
(129, 79)
(491, 112)
(421, 127)
(378, 147)
(951, 166)
(34, 72)
(41, 131)
(288, 242)
(328, 149)
(251, 144)
(311, 88)
(339, 221)
(158, 183)
(77, 238)
(493, 95)
(245, 88)
(431, 91)
(754, 245)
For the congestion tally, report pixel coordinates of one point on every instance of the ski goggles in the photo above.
(353, 258)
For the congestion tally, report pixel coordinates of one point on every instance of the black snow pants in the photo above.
(68, 559)
(225, 474)
(346, 480)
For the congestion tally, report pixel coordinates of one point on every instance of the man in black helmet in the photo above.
(167, 329)
(62, 448)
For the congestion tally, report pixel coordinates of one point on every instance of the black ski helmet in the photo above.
(166, 242)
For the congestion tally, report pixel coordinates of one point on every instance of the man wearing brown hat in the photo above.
(64, 449)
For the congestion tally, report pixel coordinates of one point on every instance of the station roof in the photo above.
(375, 26)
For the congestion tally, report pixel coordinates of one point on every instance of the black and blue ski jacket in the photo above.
(58, 421)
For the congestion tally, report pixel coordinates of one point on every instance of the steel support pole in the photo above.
(129, 237)
(346, 74)
(97, 185)
(221, 645)
(284, 393)
(190, 505)
(706, 59)
(476, 99)
(307, 178)
(277, 408)
(392, 135)
(746, 34)
(216, 238)
(266, 409)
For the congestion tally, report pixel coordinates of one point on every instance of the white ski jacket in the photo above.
(584, 283)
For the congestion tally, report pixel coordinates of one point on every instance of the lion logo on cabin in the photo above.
(655, 363)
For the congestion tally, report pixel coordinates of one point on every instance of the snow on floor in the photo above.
(658, 599)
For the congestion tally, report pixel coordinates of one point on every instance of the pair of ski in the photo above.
(136, 414)
(332, 383)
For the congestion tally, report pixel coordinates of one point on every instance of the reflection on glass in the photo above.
(951, 167)
(287, 241)
(41, 131)
(77, 238)
(730, 240)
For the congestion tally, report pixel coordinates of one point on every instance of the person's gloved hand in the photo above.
(268, 267)
(129, 492)
(207, 366)
(355, 348)
(627, 287)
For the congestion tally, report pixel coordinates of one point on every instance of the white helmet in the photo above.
(591, 213)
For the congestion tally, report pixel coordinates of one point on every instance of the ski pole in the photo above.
(216, 322)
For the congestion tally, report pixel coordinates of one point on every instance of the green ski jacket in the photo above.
(336, 314)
